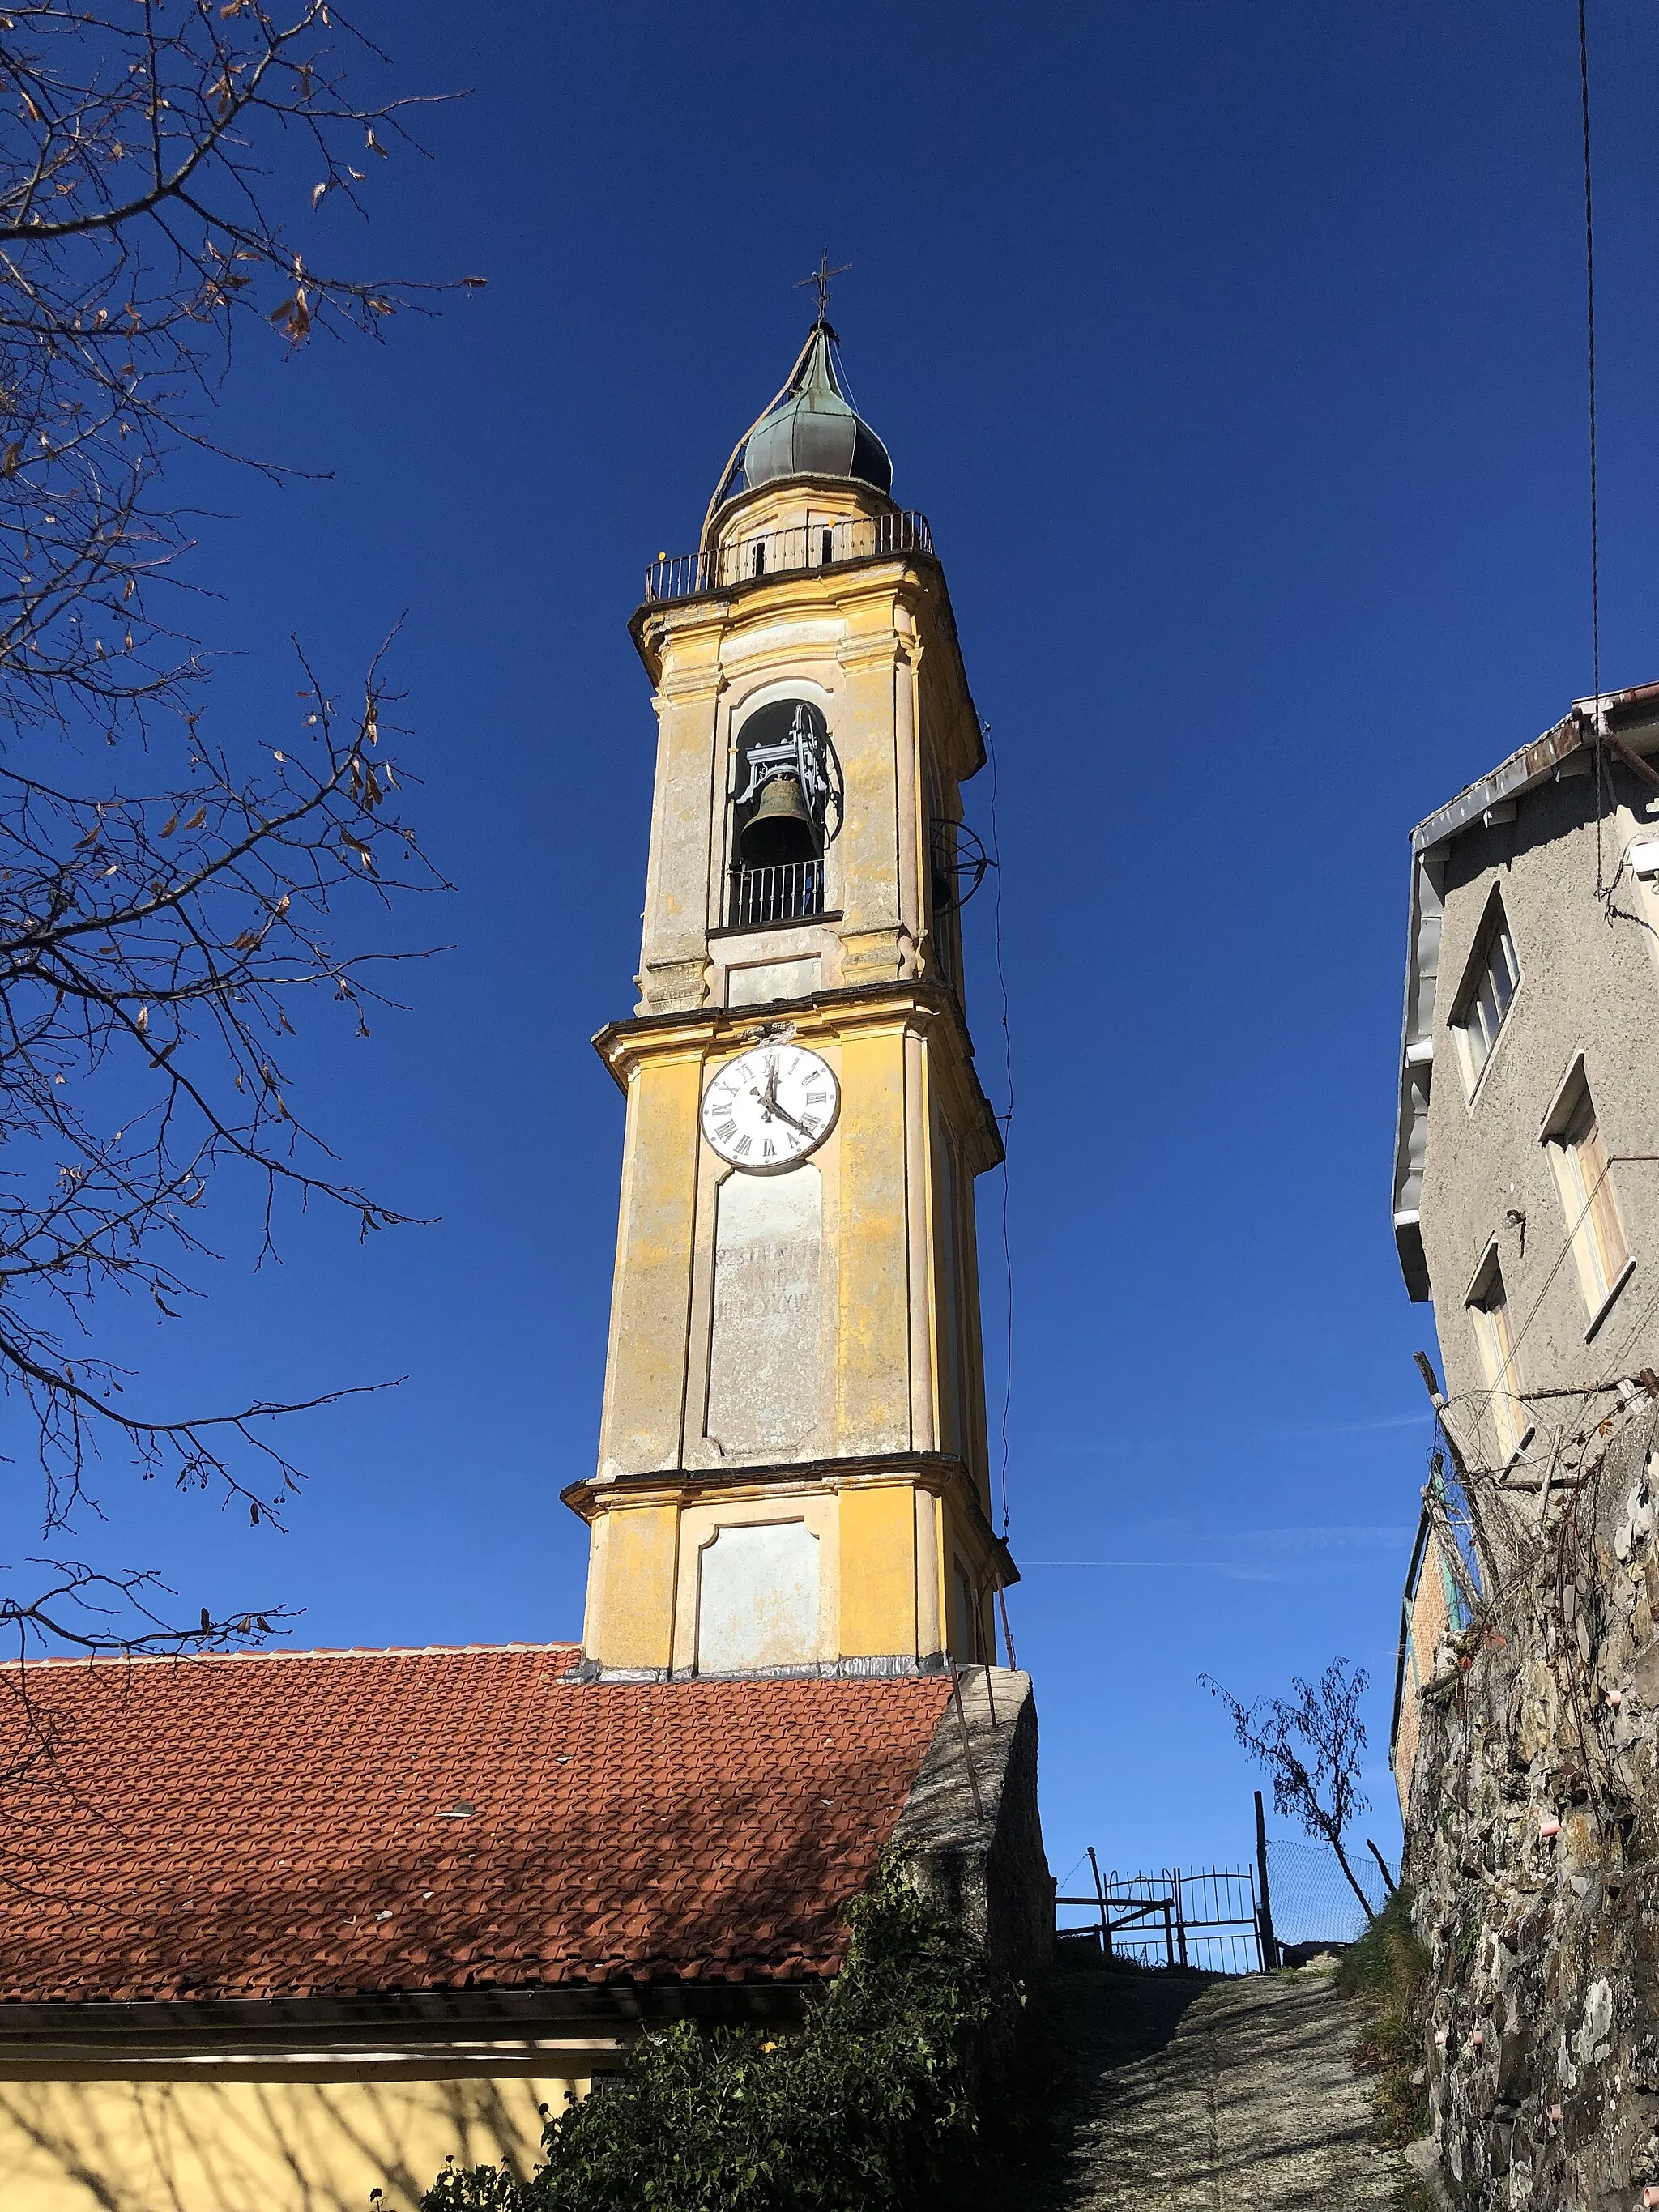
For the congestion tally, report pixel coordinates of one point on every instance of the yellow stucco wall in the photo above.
(895, 1300)
(646, 1370)
(896, 1274)
(872, 1381)
(879, 1572)
(641, 1553)
(960, 1539)
(279, 2146)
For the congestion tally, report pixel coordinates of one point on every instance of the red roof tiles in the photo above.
(292, 1824)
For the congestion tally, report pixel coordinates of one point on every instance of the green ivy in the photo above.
(871, 2104)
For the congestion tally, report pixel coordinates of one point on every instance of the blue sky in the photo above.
(1237, 356)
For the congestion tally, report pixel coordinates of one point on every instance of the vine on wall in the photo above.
(873, 2104)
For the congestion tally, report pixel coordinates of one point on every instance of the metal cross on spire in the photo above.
(819, 280)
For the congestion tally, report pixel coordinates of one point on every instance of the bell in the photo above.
(780, 830)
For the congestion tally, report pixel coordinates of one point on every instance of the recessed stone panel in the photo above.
(760, 985)
(763, 1388)
(758, 1599)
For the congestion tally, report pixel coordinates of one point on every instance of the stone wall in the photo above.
(973, 1841)
(1533, 1836)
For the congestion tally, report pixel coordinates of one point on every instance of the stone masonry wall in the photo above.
(1532, 1838)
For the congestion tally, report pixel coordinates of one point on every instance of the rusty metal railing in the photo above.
(763, 553)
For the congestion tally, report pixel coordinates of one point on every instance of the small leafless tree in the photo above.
(1310, 1748)
(170, 890)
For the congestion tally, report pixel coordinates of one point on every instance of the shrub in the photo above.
(1387, 1969)
(872, 2105)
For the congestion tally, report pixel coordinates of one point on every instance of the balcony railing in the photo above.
(793, 892)
(783, 552)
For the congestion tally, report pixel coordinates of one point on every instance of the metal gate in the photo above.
(1209, 1917)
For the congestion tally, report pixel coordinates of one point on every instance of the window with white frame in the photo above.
(1489, 1312)
(1584, 1178)
(1488, 986)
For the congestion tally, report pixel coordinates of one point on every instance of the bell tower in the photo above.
(792, 1472)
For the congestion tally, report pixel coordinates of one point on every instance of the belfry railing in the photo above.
(793, 892)
(781, 552)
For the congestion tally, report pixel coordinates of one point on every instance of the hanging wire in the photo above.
(840, 368)
(1072, 1868)
(1594, 511)
(1006, 1118)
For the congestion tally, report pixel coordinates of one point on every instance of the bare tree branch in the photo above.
(170, 897)
(1311, 1752)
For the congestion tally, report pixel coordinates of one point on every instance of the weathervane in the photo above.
(819, 280)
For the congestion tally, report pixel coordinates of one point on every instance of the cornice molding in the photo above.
(938, 1472)
(772, 597)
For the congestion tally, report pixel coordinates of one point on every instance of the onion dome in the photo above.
(809, 430)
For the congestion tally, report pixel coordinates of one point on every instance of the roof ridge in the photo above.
(306, 1652)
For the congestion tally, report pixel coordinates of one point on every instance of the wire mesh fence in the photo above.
(1311, 1901)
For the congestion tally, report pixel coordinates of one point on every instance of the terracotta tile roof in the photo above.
(290, 1824)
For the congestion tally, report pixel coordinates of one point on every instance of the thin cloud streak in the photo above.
(1309, 1429)
(1270, 1545)
(1311, 1536)
(1316, 1539)
(1282, 1432)
(1230, 1570)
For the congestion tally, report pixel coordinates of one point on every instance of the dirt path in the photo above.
(1189, 2095)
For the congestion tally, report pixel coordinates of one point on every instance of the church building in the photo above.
(280, 1928)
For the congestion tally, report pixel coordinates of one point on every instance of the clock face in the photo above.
(770, 1107)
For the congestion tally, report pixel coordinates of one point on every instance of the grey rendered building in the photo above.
(1525, 1743)
(1526, 1182)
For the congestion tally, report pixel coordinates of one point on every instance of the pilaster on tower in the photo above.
(792, 1466)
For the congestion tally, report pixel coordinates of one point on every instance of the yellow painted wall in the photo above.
(877, 1572)
(900, 1363)
(641, 1556)
(677, 908)
(872, 1381)
(284, 2146)
(960, 1540)
(871, 890)
(646, 1371)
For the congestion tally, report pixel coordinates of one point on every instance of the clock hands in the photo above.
(769, 1106)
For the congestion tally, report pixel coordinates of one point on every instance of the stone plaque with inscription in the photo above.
(763, 1357)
